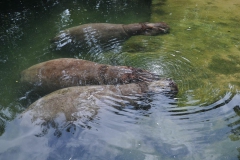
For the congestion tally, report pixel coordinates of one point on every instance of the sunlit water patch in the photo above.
(194, 51)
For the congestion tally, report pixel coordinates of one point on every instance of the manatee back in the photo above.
(92, 34)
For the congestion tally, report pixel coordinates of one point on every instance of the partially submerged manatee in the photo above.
(66, 72)
(80, 104)
(105, 33)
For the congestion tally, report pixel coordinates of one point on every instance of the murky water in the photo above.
(201, 53)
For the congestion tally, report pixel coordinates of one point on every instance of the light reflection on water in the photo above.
(162, 131)
(186, 127)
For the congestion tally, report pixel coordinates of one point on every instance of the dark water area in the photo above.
(26, 39)
(201, 53)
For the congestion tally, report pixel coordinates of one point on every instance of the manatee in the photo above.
(80, 104)
(66, 72)
(100, 34)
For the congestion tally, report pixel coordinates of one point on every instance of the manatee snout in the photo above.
(156, 28)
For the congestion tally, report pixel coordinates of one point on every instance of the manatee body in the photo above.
(66, 72)
(106, 34)
(80, 104)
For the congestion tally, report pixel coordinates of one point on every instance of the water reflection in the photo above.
(235, 124)
(127, 133)
(65, 19)
(116, 127)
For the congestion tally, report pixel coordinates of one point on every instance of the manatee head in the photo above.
(153, 29)
(163, 85)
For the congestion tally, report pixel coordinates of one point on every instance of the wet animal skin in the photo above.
(106, 33)
(66, 72)
(81, 103)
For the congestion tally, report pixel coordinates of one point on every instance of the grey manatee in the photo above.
(78, 105)
(107, 34)
(66, 72)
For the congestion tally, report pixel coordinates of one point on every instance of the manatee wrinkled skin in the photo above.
(66, 72)
(80, 104)
(106, 33)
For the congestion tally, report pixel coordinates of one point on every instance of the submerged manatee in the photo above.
(106, 34)
(77, 105)
(66, 72)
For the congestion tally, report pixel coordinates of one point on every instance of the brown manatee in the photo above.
(78, 105)
(66, 72)
(100, 34)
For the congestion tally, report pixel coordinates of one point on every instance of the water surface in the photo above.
(201, 53)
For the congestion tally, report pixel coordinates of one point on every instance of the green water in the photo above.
(201, 53)
(202, 48)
